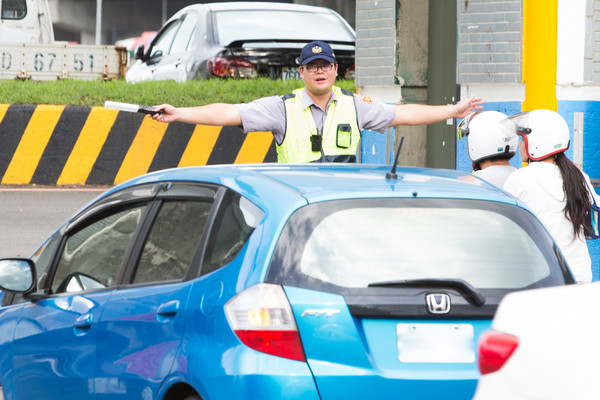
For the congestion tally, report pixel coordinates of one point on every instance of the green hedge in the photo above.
(95, 93)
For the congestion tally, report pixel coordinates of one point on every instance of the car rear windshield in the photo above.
(278, 24)
(357, 243)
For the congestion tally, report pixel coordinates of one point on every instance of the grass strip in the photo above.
(95, 93)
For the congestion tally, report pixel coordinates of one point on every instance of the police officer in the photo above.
(320, 122)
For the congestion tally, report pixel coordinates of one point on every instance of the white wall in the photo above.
(571, 34)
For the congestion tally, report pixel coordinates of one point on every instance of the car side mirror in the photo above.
(156, 55)
(139, 52)
(17, 275)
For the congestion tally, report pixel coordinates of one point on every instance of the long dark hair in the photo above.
(578, 205)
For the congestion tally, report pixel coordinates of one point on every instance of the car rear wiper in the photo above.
(468, 291)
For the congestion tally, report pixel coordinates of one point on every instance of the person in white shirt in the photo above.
(491, 145)
(554, 188)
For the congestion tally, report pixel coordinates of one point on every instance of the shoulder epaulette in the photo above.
(288, 96)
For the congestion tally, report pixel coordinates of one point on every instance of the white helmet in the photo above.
(486, 137)
(544, 132)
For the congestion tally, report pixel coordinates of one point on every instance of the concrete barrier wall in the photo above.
(63, 145)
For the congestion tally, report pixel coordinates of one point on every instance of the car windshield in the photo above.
(278, 24)
(352, 244)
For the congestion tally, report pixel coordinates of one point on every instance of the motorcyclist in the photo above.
(491, 145)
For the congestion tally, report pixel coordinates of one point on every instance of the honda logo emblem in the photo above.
(438, 303)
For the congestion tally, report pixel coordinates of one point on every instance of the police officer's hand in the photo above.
(465, 107)
(168, 113)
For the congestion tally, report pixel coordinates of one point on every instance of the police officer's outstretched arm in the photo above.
(216, 114)
(419, 114)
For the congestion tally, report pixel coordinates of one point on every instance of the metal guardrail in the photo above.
(595, 182)
(61, 61)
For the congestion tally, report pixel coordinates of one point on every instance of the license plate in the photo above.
(435, 343)
(288, 73)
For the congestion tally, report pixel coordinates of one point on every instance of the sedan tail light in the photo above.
(229, 67)
(350, 72)
(495, 348)
(262, 319)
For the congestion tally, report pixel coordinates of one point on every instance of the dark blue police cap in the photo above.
(316, 50)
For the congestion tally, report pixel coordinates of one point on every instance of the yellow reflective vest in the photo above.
(340, 134)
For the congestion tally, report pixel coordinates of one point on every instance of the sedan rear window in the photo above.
(278, 24)
(354, 244)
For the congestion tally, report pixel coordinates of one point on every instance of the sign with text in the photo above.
(62, 61)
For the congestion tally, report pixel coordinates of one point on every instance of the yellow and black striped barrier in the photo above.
(65, 145)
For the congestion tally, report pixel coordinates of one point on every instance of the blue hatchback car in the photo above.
(270, 281)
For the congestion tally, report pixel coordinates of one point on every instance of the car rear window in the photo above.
(278, 24)
(480, 246)
(355, 243)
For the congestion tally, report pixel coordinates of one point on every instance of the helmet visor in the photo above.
(463, 127)
(518, 123)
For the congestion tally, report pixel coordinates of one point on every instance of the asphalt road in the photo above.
(29, 215)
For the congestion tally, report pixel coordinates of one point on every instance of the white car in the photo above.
(545, 344)
(241, 40)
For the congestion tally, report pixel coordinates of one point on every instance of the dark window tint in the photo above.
(14, 9)
(173, 241)
(233, 226)
(92, 257)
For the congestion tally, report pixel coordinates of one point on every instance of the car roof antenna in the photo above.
(392, 174)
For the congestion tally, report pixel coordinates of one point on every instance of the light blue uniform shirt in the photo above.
(268, 114)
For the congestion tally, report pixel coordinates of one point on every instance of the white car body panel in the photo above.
(558, 356)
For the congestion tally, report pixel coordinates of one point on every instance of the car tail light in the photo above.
(495, 348)
(262, 319)
(229, 67)
(349, 73)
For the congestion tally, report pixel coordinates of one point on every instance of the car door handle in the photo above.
(84, 321)
(168, 308)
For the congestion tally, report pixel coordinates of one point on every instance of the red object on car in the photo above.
(495, 348)
(231, 67)
(144, 39)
